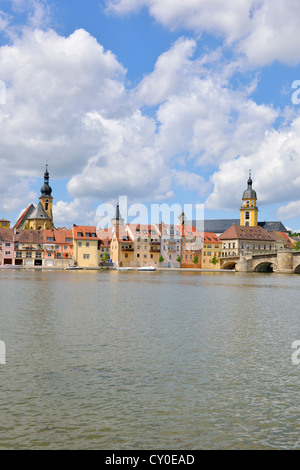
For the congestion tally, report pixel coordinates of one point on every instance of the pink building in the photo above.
(6, 246)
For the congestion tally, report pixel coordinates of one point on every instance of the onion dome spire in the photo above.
(249, 193)
(46, 190)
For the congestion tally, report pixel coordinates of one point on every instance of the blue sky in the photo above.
(162, 101)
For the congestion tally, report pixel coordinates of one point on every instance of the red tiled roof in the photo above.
(58, 235)
(188, 230)
(86, 232)
(210, 237)
(6, 234)
(246, 233)
(29, 236)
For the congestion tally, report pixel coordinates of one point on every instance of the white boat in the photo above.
(72, 267)
(147, 268)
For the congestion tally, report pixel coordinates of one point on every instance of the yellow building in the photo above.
(4, 223)
(211, 251)
(86, 250)
(42, 217)
(249, 210)
(146, 244)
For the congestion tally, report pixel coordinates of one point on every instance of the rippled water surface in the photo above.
(128, 360)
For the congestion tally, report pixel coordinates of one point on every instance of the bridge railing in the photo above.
(242, 252)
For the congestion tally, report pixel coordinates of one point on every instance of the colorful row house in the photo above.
(170, 245)
(191, 246)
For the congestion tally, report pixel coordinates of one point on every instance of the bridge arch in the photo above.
(297, 269)
(264, 267)
(229, 265)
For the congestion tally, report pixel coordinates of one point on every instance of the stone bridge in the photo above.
(283, 261)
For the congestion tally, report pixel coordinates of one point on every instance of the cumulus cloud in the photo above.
(52, 82)
(275, 167)
(168, 74)
(289, 211)
(65, 214)
(262, 30)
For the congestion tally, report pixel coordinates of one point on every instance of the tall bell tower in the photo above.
(249, 210)
(46, 198)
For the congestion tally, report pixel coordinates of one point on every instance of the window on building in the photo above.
(86, 256)
(28, 254)
(247, 215)
(19, 254)
(38, 255)
(87, 244)
(7, 244)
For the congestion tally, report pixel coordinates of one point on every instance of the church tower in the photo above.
(42, 217)
(46, 198)
(249, 211)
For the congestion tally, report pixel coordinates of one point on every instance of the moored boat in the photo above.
(147, 268)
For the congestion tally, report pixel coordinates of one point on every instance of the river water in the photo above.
(162, 360)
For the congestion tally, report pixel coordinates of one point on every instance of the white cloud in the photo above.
(126, 163)
(275, 167)
(52, 83)
(192, 182)
(263, 30)
(274, 34)
(230, 18)
(79, 211)
(289, 211)
(169, 72)
(67, 103)
(206, 119)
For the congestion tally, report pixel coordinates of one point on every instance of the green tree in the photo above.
(296, 247)
(104, 257)
(161, 259)
(214, 260)
(196, 259)
(178, 259)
